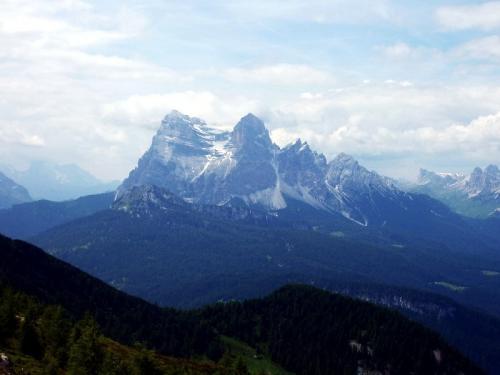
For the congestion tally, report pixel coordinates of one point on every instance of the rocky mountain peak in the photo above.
(443, 180)
(484, 182)
(492, 170)
(345, 161)
(425, 175)
(176, 126)
(301, 153)
(298, 146)
(477, 172)
(476, 194)
(147, 198)
(346, 174)
(250, 132)
(175, 117)
(11, 193)
(204, 166)
(344, 165)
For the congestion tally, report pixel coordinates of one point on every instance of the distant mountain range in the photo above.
(12, 193)
(29, 219)
(476, 195)
(56, 182)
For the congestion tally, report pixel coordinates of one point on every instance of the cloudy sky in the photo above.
(399, 85)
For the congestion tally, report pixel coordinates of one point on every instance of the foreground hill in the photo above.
(37, 338)
(359, 335)
(310, 331)
(122, 317)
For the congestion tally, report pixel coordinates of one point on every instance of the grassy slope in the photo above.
(24, 364)
(257, 364)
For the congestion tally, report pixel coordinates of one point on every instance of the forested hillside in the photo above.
(302, 329)
(37, 338)
(310, 331)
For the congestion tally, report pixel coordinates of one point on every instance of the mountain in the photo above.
(25, 220)
(204, 165)
(297, 327)
(59, 182)
(11, 193)
(243, 168)
(476, 195)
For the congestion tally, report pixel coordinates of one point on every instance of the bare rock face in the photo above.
(208, 166)
(477, 194)
(484, 183)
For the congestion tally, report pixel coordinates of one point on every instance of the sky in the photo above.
(397, 84)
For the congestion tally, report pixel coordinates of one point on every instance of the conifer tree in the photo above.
(85, 355)
(113, 365)
(241, 367)
(29, 341)
(145, 363)
(7, 318)
(54, 330)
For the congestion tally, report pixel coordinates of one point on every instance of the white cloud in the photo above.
(309, 95)
(399, 50)
(476, 142)
(394, 119)
(148, 110)
(17, 136)
(487, 48)
(53, 82)
(89, 82)
(485, 16)
(280, 74)
(319, 11)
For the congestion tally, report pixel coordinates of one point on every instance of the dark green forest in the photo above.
(45, 339)
(310, 331)
(302, 329)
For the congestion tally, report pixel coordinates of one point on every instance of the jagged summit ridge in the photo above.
(477, 194)
(481, 182)
(146, 198)
(484, 182)
(426, 177)
(208, 166)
